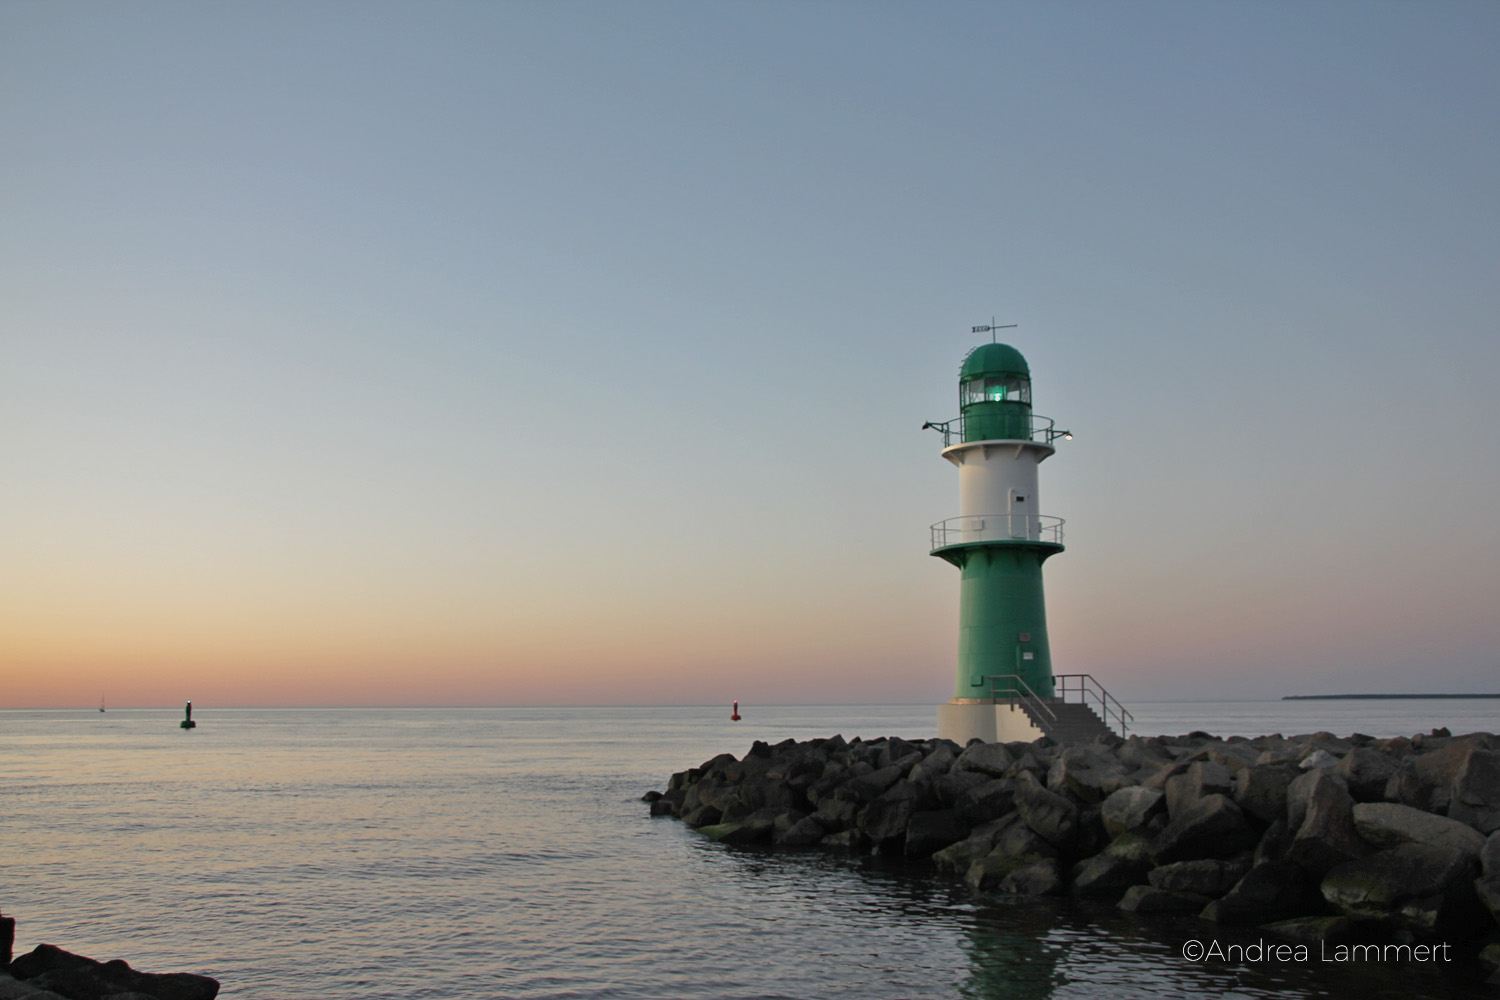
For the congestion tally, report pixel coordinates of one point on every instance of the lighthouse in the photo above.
(1004, 689)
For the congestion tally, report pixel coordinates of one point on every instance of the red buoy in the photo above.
(735, 714)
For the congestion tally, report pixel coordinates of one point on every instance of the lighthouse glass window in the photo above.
(1004, 389)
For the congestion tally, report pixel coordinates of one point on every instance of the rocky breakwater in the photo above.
(1317, 838)
(49, 973)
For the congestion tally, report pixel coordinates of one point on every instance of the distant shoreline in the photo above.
(1399, 697)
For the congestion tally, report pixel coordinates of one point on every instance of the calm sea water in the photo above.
(453, 853)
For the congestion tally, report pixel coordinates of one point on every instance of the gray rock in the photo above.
(1048, 814)
(747, 831)
(1206, 877)
(54, 969)
(1275, 844)
(1212, 825)
(1489, 960)
(932, 830)
(1086, 771)
(1116, 868)
(1384, 885)
(1018, 839)
(1366, 773)
(846, 840)
(836, 814)
(703, 815)
(1318, 759)
(1388, 824)
(884, 822)
(989, 800)
(1035, 878)
(992, 759)
(800, 832)
(1149, 899)
(960, 856)
(1489, 858)
(1261, 791)
(1278, 756)
(988, 872)
(1312, 930)
(1327, 836)
(950, 788)
(1296, 798)
(1488, 888)
(1476, 791)
(1407, 787)
(1271, 891)
(1128, 808)
(1234, 757)
(1201, 779)
(868, 786)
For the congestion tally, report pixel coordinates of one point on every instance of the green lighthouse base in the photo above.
(991, 720)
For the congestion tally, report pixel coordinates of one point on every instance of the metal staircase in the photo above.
(1059, 718)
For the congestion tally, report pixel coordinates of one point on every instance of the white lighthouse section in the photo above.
(997, 493)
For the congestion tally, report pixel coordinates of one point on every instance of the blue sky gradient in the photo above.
(576, 353)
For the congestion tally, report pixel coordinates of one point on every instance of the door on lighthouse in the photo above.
(1019, 514)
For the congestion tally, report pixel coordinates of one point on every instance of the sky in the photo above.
(577, 353)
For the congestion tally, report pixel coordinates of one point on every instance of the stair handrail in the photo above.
(1108, 704)
(1021, 693)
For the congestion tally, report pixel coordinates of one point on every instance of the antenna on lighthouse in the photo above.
(992, 328)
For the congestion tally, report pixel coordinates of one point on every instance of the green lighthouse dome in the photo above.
(994, 394)
(993, 359)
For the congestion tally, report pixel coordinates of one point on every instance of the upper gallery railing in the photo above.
(1042, 429)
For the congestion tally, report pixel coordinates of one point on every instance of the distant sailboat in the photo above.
(101, 703)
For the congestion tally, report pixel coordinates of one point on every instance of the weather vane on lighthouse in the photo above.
(992, 328)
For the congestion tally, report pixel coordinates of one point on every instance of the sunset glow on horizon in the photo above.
(474, 354)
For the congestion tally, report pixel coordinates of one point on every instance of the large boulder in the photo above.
(1035, 878)
(1366, 773)
(1116, 868)
(47, 967)
(988, 800)
(884, 822)
(1129, 808)
(1201, 779)
(1049, 815)
(1149, 899)
(1416, 886)
(1270, 891)
(1488, 888)
(932, 830)
(754, 829)
(1489, 858)
(950, 788)
(1261, 791)
(1206, 877)
(1389, 824)
(1313, 930)
(1327, 836)
(1476, 791)
(869, 786)
(938, 762)
(835, 814)
(1211, 826)
(794, 829)
(1086, 771)
(960, 856)
(986, 872)
(993, 759)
